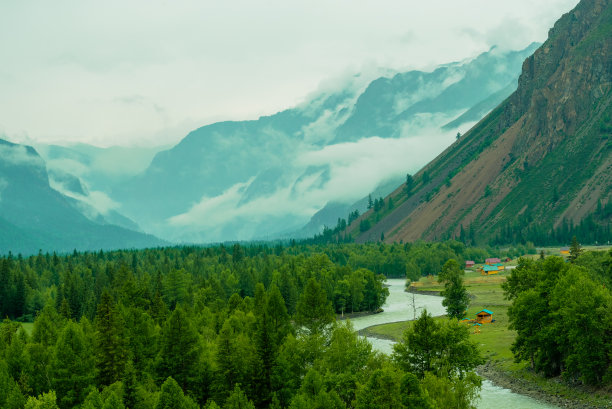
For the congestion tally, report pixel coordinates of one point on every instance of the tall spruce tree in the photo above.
(71, 367)
(456, 298)
(314, 311)
(575, 249)
(179, 349)
(110, 343)
(172, 397)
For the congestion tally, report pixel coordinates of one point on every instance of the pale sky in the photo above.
(146, 72)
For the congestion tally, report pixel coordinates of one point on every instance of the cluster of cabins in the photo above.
(491, 266)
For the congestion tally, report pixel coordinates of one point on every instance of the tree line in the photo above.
(237, 327)
(562, 312)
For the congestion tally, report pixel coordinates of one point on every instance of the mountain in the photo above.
(34, 216)
(97, 169)
(240, 180)
(539, 166)
(390, 104)
(328, 216)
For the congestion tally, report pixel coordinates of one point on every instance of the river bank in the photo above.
(353, 315)
(402, 306)
(495, 341)
(546, 390)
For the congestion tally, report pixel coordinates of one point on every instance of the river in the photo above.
(402, 306)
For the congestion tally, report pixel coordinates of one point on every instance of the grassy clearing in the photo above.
(28, 327)
(495, 340)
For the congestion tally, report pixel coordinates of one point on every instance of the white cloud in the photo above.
(93, 204)
(18, 155)
(149, 71)
(354, 169)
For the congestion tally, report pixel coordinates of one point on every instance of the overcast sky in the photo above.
(147, 72)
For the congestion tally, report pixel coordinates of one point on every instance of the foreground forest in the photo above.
(235, 327)
(255, 327)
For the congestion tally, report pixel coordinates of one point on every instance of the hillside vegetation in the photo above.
(539, 167)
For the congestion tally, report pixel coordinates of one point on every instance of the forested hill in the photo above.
(538, 167)
(35, 216)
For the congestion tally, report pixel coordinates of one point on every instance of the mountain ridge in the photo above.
(280, 161)
(539, 161)
(34, 216)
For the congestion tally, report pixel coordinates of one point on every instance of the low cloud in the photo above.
(355, 169)
(93, 204)
(18, 155)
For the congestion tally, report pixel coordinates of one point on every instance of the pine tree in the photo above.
(47, 326)
(110, 346)
(5, 280)
(172, 397)
(409, 184)
(130, 382)
(574, 250)
(238, 400)
(277, 313)
(227, 370)
(179, 349)
(314, 311)
(272, 327)
(19, 298)
(113, 401)
(72, 365)
(456, 299)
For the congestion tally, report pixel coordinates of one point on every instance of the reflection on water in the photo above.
(401, 306)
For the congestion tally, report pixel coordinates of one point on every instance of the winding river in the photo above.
(402, 306)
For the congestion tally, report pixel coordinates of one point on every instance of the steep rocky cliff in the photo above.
(535, 167)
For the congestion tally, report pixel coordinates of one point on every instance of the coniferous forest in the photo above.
(234, 327)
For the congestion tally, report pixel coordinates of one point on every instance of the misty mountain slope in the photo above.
(239, 180)
(329, 214)
(482, 108)
(538, 163)
(389, 104)
(85, 174)
(35, 216)
(214, 158)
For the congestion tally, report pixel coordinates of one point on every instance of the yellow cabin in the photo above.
(484, 317)
(565, 250)
(487, 270)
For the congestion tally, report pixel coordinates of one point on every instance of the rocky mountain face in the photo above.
(539, 164)
(266, 178)
(35, 216)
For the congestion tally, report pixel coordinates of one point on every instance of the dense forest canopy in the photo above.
(562, 313)
(234, 327)
(195, 327)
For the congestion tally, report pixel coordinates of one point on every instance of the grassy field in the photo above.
(495, 340)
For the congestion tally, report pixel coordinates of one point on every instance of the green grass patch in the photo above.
(28, 327)
(494, 340)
